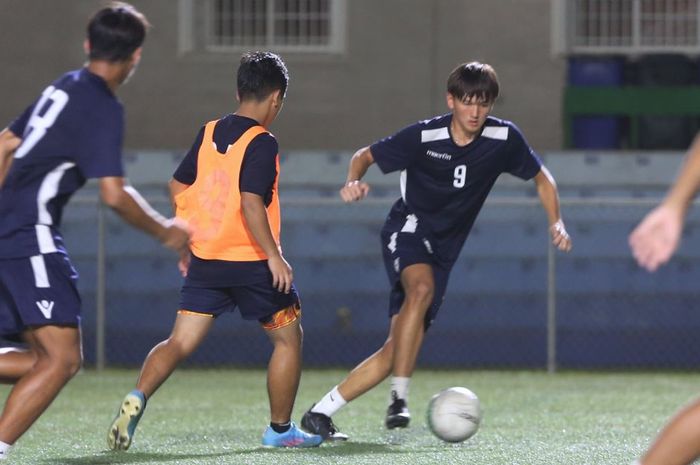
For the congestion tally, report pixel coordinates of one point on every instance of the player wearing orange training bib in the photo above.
(226, 190)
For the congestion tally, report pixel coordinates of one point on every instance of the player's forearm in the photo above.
(255, 216)
(683, 190)
(5, 162)
(8, 144)
(359, 163)
(136, 211)
(548, 194)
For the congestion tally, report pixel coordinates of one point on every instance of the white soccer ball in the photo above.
(454, 414)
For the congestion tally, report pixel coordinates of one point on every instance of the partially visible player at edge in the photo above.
(72, 132)
(226, 189)
(448, 166)
(653, 242)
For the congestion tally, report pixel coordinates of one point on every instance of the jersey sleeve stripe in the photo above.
(430, 135)
(496, 132)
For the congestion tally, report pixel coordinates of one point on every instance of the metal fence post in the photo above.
(551, 310)
(101, 294)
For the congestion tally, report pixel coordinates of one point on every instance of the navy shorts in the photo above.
(256, 301)
(404, 246)
(37, 291)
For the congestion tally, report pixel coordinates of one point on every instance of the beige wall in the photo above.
(397, 56)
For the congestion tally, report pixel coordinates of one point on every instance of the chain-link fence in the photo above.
(511, 302)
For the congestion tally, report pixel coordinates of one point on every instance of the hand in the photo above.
(281, 273)
(184, 263)
(655, 239)
(176, 236)
(354, 191)
(560, 238)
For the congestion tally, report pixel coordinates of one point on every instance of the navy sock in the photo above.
(281, 427)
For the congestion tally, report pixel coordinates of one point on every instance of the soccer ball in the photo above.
(454, 414)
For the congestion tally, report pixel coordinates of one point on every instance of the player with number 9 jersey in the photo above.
(448, 166)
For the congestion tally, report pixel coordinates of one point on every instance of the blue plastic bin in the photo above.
(596, 132)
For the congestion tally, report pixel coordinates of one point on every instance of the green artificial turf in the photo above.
(218, 416)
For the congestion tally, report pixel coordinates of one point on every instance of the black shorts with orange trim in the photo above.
(259, 301)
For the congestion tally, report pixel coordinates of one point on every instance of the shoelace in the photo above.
(331, 427)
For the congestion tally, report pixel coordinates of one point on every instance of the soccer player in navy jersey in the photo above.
(72, 132)
(653, 242)
(448, 166)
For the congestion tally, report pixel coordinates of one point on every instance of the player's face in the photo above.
(470, 114)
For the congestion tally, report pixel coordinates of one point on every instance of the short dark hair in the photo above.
(474, 79)
(260, 74)
(115, 32)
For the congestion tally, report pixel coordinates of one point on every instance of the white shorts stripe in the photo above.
(411, 224)
(41, 277)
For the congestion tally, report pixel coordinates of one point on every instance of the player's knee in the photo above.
(300, 335)
(64, 364)
(73, 364)
(180, 347)
(421, 291)
(291, 337)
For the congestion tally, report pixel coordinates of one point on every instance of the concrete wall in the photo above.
(392, 72)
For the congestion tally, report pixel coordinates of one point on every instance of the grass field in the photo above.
(217, 417)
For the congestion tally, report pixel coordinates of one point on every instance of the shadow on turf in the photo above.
(106, 458)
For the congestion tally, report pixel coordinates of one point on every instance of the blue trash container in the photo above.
(596, 132)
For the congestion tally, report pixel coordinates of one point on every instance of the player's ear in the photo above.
(277, 98)
(450, 101)
(136, 56)
(86, 46)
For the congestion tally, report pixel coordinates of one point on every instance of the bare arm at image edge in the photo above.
(658, 235)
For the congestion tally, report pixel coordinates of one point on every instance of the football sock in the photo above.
(281, 427)
(331, 403)
(399, 385)
(137, 392)
(4, 450)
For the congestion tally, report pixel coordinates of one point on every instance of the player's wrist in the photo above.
(162, 229)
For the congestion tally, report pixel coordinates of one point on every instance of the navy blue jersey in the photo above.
(443, 185)
(74, 131)
(259, 168)
(258, 174)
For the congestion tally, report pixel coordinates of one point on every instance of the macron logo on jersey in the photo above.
(45, 307)
(438, 155)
